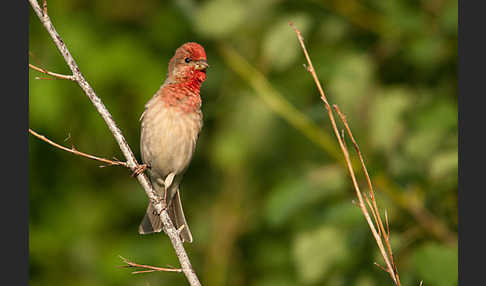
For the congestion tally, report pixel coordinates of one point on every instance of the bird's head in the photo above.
(189, 63)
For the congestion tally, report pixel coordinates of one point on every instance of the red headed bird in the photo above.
(170, 127)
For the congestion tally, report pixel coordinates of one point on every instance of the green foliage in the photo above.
(312, 263)
(436, 264)
(291, 195)
(220, 17)
(387, 118)
(280, 47)
(267, 197)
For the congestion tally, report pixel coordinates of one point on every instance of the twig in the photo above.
(387, 257)
(122, 143)
(379, 266)
(76, 152)
(61, 76)
(131, 264)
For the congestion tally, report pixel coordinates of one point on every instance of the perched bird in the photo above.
(171, 123)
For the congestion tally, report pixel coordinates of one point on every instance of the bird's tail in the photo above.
(151, 222)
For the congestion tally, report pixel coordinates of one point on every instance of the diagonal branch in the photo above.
(122, 143)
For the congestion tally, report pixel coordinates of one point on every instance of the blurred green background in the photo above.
(267, 197)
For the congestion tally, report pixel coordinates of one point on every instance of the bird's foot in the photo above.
(140, 169)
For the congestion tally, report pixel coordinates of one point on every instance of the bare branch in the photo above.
(379, 266)
(387, 257)
(122, 143)
(131, 264)
(76, 152)
(61, 76)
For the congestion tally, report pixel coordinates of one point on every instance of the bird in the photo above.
(170, 126)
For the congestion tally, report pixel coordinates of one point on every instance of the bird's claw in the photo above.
(139, 170)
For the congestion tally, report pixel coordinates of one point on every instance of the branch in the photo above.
(387, 257)
(150, 268)
(76, 152)
(122, 143)
(61, 76)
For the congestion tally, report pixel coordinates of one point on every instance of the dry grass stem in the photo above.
(374, 208)
(380, 235)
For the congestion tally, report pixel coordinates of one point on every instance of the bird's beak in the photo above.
(201, 65)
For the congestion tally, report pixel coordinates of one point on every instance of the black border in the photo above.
(471, 89)
(14, 116)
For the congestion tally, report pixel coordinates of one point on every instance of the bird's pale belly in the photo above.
(168, 139)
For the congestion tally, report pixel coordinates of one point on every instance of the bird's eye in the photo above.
(187, 60)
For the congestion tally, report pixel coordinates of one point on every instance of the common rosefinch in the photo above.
(170, 126)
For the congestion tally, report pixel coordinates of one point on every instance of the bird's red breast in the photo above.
(187, 71)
